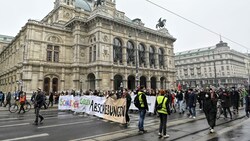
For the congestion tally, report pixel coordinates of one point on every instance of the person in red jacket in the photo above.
(22, 101)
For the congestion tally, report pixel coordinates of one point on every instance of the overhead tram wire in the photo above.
(197, 24)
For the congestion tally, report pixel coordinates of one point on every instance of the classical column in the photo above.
(124, 55)
(156, 59)
(147, 57)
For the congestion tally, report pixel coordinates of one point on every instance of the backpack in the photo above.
(137, 101)
(159, 106)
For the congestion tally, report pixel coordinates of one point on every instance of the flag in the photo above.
(179, 86)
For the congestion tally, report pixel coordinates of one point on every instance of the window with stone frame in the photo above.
(142, 53)
(90, 54)
(117, 50)
(152, 56)
(49, 53)
(161, 57)
(92, 49)
(53, 53)
(94, 53)
(56, 53)
(130, 52)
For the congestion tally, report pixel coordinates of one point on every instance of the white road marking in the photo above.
(8, 119)
(13, 125)
(27, 137)
(57, 125)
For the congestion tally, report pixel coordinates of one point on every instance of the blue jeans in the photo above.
(192, 111)
(142, 114)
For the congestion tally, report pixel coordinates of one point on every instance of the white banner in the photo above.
(151, 103)
(65, 102)
(109, 109)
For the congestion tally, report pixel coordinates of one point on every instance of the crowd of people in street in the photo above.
(167, 102)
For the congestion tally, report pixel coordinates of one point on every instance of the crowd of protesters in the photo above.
(178, 101)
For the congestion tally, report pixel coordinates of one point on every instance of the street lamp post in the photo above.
(136, 59)
(136, 65)
(215, 75)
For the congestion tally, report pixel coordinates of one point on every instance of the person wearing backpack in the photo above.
(143, 108)
(163, 109)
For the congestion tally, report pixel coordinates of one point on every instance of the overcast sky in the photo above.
(230, 18)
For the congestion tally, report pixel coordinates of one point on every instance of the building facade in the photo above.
(4, 41)
(216, 65)
(81, 46)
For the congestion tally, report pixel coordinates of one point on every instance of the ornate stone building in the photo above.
(4, 41)
(81, 46)
(216, 65)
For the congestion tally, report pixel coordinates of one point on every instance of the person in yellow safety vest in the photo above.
(22, 101)
(142, 110)
(163, 111)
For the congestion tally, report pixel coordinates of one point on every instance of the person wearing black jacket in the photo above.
(142, 109)
(247, 108)
(235, 98)
(39, 100)
(8, 99)
(51, 99)
(126, 95)
(192, 103)
(226, 103)
(210, 108)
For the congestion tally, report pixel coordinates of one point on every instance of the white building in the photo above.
(216, 65)
(81, 46)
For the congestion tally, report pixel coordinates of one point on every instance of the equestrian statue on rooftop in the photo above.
(98, 2)
(161, 23)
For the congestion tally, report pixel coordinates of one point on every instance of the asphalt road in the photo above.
(65, 125)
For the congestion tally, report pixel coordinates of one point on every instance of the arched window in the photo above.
(153, 83)
(54, 84)
(94, 53)
(92, 49)
(117, 82)
(141, 53)
(117, 49)
(143, 81)
(130, 52)
(91, 81)
(152, 56)
(163, 83)
(90, 54)
(46, 85)
(161, 57)
(131, 82)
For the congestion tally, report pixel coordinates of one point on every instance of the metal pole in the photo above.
(136, 65)
(215, 76)
(136, 60)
